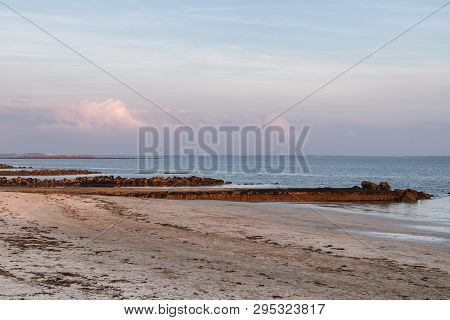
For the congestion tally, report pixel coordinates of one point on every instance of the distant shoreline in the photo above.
(125, 157)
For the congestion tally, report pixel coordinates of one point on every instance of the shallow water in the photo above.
(426, 216)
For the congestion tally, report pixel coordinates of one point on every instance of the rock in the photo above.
(274, 194)
(111, 181)
(424, 196)
(384, 186)
(7, 166)
(373, 186)
(369, 185)
(45, 172)
(410, 195)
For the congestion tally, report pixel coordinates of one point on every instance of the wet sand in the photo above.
(59, 246)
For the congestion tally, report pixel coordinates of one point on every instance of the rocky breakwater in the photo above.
(110, 186)
(404, 195)
(7, 166)
(111, 181)
(46, 172)
(367, 193)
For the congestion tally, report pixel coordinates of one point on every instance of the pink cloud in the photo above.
(109, 113)
(112, 114)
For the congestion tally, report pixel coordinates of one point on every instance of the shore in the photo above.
(88, 246)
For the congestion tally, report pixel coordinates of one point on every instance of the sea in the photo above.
(428, 174)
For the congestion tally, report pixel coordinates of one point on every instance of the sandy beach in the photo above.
(62, 246)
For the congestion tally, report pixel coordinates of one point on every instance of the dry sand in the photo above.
(95, 247)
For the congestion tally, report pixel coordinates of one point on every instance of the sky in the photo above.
(225, 62)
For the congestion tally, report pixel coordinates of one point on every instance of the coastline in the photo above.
(89, 246)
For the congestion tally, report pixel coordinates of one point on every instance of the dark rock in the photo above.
(384, 186)
(369, 185)
(424, 196)
(228, 194)
(111, 181)
(7, 166)
(45, 172)
(410, 195)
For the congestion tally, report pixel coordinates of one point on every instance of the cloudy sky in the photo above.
(225, 62)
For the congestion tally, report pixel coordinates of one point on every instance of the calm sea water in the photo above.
(429, 174)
